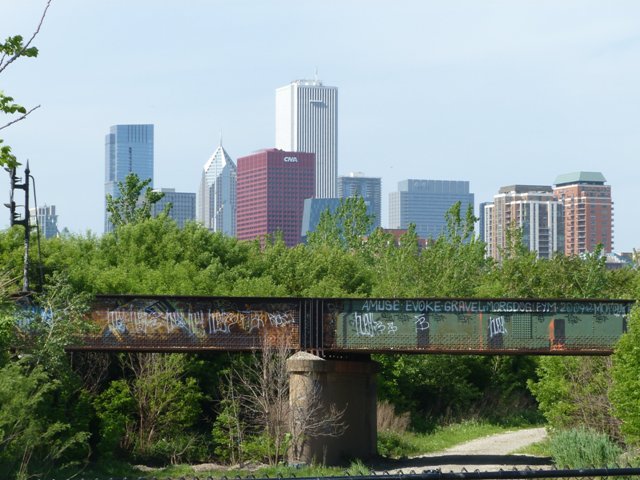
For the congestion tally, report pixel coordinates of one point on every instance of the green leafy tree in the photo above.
(625, 392)
(573, 391)
(12, 49)
(44, 413)
(134, 203)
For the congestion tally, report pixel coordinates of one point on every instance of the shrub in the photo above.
(583, 448)
(625, 391)
(392, 445)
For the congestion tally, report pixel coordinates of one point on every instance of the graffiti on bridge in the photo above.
(138, 322)
(192, 322)
(477, 325)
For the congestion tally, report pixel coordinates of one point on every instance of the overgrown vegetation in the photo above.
(583, 448)
(172, 409)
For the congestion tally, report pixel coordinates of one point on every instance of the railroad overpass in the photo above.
(357, 325)
(334, 337)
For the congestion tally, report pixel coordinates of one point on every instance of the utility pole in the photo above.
(24, 221)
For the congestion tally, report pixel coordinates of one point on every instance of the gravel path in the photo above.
(488, 454)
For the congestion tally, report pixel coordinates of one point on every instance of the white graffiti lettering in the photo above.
(496, 327)
(422, 323)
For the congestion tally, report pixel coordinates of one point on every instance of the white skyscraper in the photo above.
(307, 121)
(217, 193)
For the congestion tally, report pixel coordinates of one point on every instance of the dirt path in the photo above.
(488, 453)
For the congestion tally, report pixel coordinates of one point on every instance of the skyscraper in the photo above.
(531, 208)
(369, 188)
(183, 205)
(128, 149)
(307, 121)
(272, 187)
(47, 220)
(588, 211)
(425, 204)
(217, 193)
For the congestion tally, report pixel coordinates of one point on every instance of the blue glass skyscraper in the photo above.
(128, 149)
(425, 204)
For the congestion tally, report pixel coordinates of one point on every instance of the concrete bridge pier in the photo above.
(319, 388)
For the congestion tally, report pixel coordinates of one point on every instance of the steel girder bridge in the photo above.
(342, 326)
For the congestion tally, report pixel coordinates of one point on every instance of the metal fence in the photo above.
(515, 474)
(350, 325)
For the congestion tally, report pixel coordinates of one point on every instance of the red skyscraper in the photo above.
(271, 189)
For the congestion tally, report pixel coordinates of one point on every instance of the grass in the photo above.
(539, 449)
(178, 471)
(389, 445)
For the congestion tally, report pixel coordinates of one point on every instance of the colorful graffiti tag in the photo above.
(510, 326)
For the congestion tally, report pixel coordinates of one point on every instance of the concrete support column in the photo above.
(318, 387)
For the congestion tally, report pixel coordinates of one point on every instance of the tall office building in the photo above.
(272, 187)
(217, 193)
(128, 149)
(307, 121)
(356, 184)
(425, 204)
(47, 220)
(588, 211)
(531, 208)
(183, 205)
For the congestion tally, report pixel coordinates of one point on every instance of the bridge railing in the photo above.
(348, 325)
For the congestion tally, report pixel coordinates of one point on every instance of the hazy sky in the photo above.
(494, 92)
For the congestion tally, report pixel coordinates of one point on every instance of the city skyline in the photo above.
(500, 94)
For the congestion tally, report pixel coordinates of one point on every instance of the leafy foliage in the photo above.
(134, 203)
(625, 391)
(174, 409)
(574, 391)
(13, 48)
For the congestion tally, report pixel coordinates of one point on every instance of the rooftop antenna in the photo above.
(220, 137)
(316, 77)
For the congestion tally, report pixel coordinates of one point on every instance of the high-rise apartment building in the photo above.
(272, 187)
(128, 149)
(183, 205)
(369, 188)
(588, 211)
(531, 208)
(47, 220)
(307, 121)
(217, 193)
(425, 204)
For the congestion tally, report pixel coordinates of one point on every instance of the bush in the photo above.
(393, 445)
(181, 448)
(583, 448)
(625, 391)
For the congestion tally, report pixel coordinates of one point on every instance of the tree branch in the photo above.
(17, 55)
(21, 117)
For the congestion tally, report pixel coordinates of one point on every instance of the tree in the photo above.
(259, 411)
(11, 50)
(573, 391)
(134, 203)
(347, 227)
(625, 392)
(44, 413)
